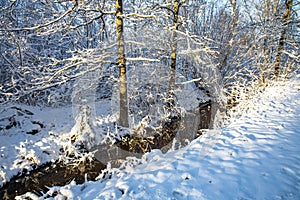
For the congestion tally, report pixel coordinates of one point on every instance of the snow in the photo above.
(255, 156)
(21, 152)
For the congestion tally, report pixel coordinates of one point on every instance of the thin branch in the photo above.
(8, 61)
(41, 25)
(90, 22)
(143, 59)
(20, 54)
(191, 81)
(139, 16)
(48, 86)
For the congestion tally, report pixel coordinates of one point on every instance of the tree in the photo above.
(286, 22)
(121, 64)
(176, 6)
(47, 47)
(47, 39)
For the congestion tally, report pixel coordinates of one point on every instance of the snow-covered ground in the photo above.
(21, 152)
(256, 156)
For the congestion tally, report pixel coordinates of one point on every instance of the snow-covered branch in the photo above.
(142, 59)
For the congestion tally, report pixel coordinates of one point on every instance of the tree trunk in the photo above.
(229, 45)
(173, 55)
(121, 65)
(265, 50)
(286, 18)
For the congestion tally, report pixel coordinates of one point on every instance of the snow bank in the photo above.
(26, 145)
(256, 156)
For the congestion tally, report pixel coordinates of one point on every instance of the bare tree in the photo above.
(176, 6)
(121, 64)
(286, 22)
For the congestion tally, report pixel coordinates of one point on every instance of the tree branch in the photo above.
(41, 25)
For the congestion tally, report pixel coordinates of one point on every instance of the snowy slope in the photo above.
(256, 156)
(21, 152)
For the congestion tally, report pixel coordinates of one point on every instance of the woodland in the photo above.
(153, 60)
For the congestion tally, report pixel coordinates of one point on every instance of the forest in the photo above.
(135, 73)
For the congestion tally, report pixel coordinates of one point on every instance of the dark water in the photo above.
(176, 133)
(50, 175)
(190, 126)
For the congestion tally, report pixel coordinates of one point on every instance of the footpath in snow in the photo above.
(257, 156)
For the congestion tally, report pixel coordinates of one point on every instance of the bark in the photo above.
(121, 65)
(286, 18)
(265, 51)
(173, 55)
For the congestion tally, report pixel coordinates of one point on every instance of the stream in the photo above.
(49, 175)
(191, 126)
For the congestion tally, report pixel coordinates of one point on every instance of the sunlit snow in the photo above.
(256, 156)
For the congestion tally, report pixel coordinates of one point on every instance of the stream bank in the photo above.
(48, 175)
(191, 126)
